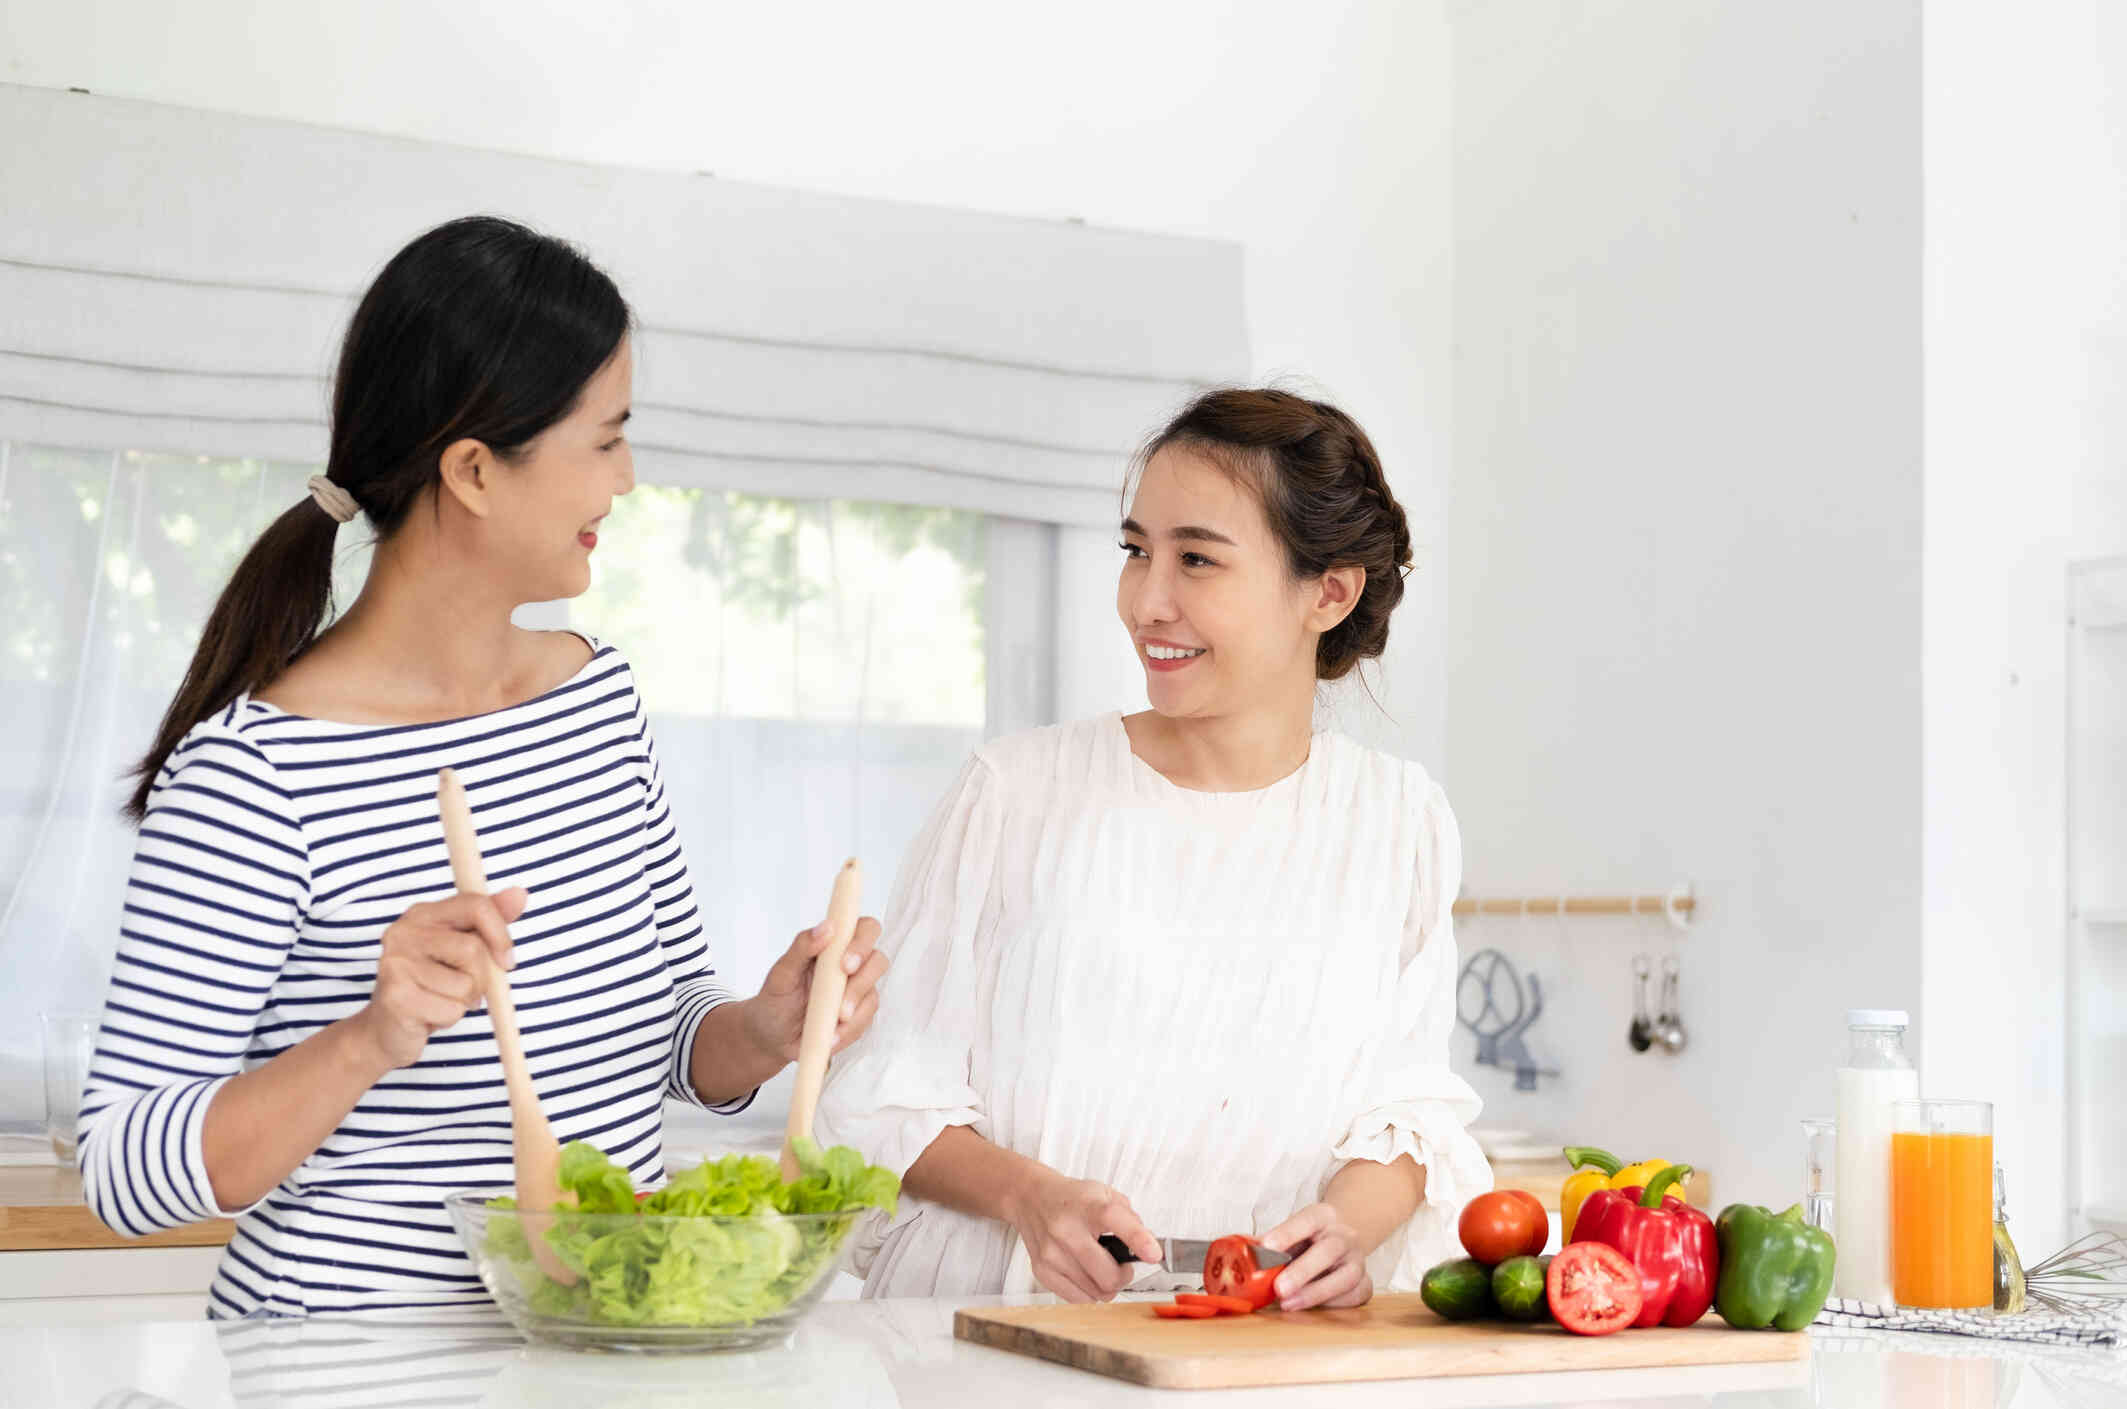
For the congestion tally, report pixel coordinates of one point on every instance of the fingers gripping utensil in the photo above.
(1669, 1027)
(534, 1150)
(1641, 1034)
(823, 1010)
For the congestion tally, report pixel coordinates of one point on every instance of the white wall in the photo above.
(1316, 141)
(1683, 624)
(2026, 420)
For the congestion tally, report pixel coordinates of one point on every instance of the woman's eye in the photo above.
(1131, 550)
(615, 443)
(1197, 560)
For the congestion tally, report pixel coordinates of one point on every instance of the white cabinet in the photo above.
(2096, 1009)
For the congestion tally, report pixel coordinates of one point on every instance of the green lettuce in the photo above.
(743, 1261)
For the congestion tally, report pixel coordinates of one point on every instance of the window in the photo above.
(816, 673)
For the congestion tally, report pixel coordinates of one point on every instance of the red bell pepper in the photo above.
(1672, 1244)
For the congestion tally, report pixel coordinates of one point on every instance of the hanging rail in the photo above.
(1678, 905)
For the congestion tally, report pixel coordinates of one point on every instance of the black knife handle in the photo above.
(1116, 1248)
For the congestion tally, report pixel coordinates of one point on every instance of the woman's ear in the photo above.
(1336, 593)
(467, 469)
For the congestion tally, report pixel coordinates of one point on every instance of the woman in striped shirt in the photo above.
(293, 1034)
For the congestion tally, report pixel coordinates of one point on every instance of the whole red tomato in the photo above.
(1502, 1224)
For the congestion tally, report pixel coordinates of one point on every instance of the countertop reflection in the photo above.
(873, 1355)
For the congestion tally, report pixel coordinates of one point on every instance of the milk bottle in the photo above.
(1876, 1074)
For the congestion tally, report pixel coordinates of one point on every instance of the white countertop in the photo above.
(879, 1354)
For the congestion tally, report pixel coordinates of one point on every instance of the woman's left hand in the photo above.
(776, 1017)
(1331, 1271)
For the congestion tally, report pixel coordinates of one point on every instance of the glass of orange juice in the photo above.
(1942, 1204)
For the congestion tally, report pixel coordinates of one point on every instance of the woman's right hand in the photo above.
(1061, 1220)
(433, 970)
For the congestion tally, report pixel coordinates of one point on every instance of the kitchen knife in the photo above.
(1186, 1255)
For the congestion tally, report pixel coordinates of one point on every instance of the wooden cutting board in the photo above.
(1393, 1338)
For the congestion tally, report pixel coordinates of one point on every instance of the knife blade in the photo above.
(1186, 1255)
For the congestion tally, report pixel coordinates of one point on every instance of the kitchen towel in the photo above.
(2102, 1324)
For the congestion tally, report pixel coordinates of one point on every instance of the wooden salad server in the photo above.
(535, 1151)
(822, 1011)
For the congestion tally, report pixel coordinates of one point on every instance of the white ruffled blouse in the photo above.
(1210, 1001)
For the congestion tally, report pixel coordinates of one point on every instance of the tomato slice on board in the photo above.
(1231, 1305)
(1177, 1311)
(1593, 1289)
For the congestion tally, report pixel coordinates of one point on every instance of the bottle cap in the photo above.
(1877, 1017)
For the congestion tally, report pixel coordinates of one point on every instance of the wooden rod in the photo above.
(1652, 906)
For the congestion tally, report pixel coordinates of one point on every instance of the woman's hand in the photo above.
(1061, 1220)
(775, 1017)
(433, 969)
(1332, 1269)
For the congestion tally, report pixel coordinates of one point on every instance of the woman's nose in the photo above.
(1154, 601)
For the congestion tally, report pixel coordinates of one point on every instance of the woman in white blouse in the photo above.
(1188, 972)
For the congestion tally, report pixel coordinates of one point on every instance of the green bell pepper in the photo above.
(1776, 1270)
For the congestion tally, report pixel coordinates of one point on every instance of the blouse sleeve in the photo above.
(897, 1087)
(1414, 1105)
(219, 875)
(696, 987)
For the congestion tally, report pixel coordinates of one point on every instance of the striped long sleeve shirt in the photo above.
(275, 852)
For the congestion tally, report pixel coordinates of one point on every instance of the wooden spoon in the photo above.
(537, 1154)
(823, 1010)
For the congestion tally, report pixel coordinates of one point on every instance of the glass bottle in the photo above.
(1876, 1076)
(2008, 1267)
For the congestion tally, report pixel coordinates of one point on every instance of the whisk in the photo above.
(2093, 1268)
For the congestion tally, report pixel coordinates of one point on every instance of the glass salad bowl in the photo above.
(654, 1282)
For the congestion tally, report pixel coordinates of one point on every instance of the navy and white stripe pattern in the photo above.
(275, 852)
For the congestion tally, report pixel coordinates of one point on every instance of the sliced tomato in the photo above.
(1261, 1290)
(1230, 1305)
(1178, 1311)
(1228, 1265)
(1593, 1289)
(1230, 1270)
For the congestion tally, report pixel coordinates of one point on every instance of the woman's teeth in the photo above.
(1172, 652)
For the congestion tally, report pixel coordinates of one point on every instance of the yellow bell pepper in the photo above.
(1597, 1169)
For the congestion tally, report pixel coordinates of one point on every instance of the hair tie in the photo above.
(333, 499)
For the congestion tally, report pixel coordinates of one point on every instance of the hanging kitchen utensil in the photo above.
(1669, 1027)
(1513, 1052)
(1488, 1001)
(1641, 1033)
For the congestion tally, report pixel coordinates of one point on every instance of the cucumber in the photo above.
(1518, 1288)
(1459, 1291)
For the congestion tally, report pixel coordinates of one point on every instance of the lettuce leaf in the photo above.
(743, 1261)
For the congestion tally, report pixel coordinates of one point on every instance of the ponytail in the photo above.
(274, 604)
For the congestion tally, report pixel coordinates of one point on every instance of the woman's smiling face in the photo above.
(550, 499)
(1206, 593)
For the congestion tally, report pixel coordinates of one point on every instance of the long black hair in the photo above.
(480, 330)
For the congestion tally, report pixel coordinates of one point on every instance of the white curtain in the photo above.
(173, 279)
(873, 440)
